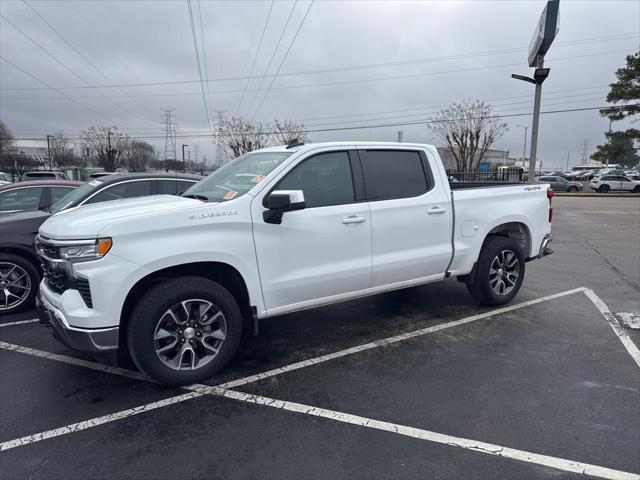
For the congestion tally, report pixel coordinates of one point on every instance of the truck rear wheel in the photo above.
(499, 272)
(184, 330)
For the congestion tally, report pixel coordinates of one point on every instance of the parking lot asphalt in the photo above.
(544, 389)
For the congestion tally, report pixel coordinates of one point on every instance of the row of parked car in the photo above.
(603, 180)
(24, 206)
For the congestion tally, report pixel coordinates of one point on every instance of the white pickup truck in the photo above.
(172, 281)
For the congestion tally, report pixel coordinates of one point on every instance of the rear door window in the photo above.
(390, 174)
(122, 190)
(20, 199)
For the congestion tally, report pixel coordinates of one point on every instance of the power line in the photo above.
(57, 60)
(286, 54)
(337, 69)
(195, 46)
(273, 55)
(384, 125)
(81, 55)
(55, 89)
(255, 57)
(204, 55)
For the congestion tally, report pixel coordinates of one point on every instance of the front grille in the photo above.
(59, 281)
(56, 278)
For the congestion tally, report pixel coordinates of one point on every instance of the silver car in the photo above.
(560, 184)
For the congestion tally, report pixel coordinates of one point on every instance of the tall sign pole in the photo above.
(543, 37)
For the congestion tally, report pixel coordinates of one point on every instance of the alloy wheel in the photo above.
(15, 286)
(504, 272)
(190, 334)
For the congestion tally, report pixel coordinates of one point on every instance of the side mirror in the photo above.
(280, 201)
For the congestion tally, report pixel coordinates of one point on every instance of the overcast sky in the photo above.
(412, 58)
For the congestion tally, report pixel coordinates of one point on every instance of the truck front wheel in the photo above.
(499, 272)
(184, 330)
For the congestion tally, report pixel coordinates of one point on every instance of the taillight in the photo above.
(550, 194)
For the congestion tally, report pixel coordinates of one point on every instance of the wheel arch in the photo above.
(222, 273)
(26, 253)
(517, 231)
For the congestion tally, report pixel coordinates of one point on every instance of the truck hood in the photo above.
(87, 221)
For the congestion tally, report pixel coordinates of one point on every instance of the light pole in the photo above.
(184, 165)
(49, 152)
(524, 148)
(543, 36)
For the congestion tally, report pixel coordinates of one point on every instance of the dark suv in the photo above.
(20, 270)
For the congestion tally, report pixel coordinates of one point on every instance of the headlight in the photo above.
(83, 252)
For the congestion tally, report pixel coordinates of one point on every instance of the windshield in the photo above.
(238, 176)
(74, 195)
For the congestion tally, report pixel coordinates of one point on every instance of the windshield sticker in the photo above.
(257, 179)
(230, 195)
(95, 183)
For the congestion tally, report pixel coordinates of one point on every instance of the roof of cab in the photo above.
(40, 183)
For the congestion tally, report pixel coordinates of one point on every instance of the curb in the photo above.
(596, 194)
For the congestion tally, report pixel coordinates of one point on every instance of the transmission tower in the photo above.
(220, 154)
(169, 122)
(585, 152)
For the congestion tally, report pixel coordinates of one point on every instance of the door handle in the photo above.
(435, 210)
(353, 219)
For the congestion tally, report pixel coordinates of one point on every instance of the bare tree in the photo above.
(139, 155)
(469, 129)
(62, 152)
(18, 163)
(6, 139)
(240, 137)
(287, 131)
(108, 145)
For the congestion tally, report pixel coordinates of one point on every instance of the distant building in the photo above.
(491, 160)
(33, 149)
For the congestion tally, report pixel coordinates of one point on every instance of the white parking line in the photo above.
(72, 361)
(389, 340)
(21, 322)
(205, 389)
(435, 437)
(223, 390)
(613, 321)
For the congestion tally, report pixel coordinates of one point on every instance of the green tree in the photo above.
(625, 89)
(619, 149)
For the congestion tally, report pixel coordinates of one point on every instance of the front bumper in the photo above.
(86, 340)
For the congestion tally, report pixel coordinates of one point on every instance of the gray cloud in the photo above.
(145, 42)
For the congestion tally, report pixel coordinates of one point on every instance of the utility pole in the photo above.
(184, 165)
(568, 160)
(49, 152)
(109, 151)
(219, 148)
(609, 143)
(585, 152)
(524, 147)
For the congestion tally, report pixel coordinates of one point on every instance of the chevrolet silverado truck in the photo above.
(172, 281)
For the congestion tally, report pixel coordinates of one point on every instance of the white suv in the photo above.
(616, 183)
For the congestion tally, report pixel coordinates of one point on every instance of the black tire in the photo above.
(150, 312)
(480, 287)
(30, 281)
(573, 189)
(604, 189)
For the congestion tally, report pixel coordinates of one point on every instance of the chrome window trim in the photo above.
(115, 185)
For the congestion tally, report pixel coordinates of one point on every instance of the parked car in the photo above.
(5, 178)
(616, 183)
(586, 175)
(20, 196)
(560, 184)
(19, 264)
(632, 175)
(103, 174)
(45, 175)
(172, 280)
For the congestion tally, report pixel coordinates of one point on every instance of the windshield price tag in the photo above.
(257, 179)
(230, 195)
